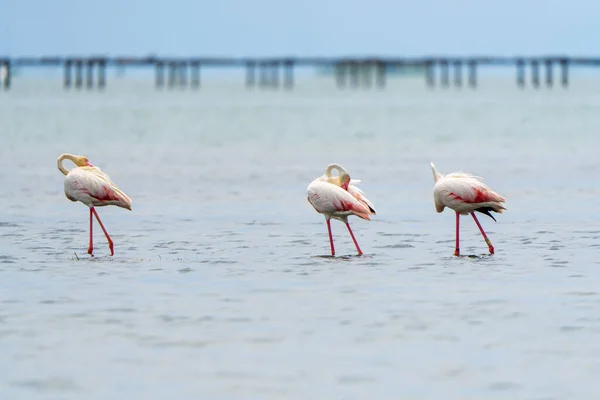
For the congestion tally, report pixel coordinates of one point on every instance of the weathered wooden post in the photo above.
(90, 73)
(445, 73)
(288, 78)
(472, 73)
(564, 69)
(250, 74)
(67, 76)
(340, 74)
(78, 73)
(183, 72)
(263, 76)
(535, 73)
(5, 74)
(102, 74)
(274, 76)
(380, 74)
(195, 74)
(159, 74)
(549, 77)
(458, 73)
(172, 74)
(521, 73)
(354, 71)
(430, 73)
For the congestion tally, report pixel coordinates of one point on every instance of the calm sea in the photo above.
(221, 288)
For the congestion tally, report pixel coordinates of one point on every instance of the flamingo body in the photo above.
(337, 197)
(91, 186)
(465, 193)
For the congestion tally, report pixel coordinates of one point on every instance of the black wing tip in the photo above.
(486, 211)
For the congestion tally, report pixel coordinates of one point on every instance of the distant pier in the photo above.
(89, 73)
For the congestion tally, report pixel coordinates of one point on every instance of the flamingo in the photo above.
(465, 193)
(89, 185)
(337, 197)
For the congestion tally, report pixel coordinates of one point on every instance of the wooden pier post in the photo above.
(195, 70)
(430, 73)
(354, 71)
(6, 69)
(365, 71)
(182, 74)
(263, 75)
(341, 74)
(67, 76)
(159, 70)
(564, 69)
(250, 74)
(549, 77)
(274, 74)
(445, 73)
(472, 73)
(380, 74)
(172, 74)
(458, 73)
(78, 74)
(535, 73)
(102, 74)
(288, 74)
(521, 73)
(90, 74)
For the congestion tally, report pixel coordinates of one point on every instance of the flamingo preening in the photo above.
(465, 193)
(337, 197)
(89, 185)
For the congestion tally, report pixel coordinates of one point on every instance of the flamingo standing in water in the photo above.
(89, 185)
(337, 197)
(465, 193)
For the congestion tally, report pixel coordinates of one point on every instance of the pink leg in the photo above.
(457, 249)
(354, 239)
(489, 243)
(330, 237)
(110, 242)
(91, 246)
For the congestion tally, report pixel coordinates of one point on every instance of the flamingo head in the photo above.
(344, 180)
(82, 161)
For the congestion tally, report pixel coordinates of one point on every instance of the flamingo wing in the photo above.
(458, 191)
(360, 196)
(93, 187)
(328, 198)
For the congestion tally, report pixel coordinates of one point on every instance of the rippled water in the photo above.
(221, 286)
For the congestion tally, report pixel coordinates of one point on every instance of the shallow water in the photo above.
(221, 285)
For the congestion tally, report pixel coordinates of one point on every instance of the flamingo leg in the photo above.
(457, 249)
(91, 246)
(330, 237)
(354, 239)
(489, 243)
(110, 242)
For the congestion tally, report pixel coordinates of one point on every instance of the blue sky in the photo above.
(302, 27)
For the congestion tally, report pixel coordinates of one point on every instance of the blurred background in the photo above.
(221, 285)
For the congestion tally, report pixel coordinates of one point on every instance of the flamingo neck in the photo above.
(59, 162)
(436, 174)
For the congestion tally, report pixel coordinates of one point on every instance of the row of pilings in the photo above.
(91, 72)
(445, 65)
(265, 75)
(76, 71)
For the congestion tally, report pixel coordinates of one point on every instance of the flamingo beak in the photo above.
(89, 164)
(345, 185)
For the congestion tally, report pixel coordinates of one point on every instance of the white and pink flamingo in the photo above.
(89, 185)
(337, 197)
(465, 193)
